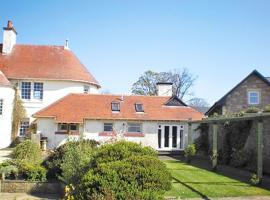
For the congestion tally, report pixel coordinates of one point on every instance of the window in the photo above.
(26, 90)
(62, 127)
(1, 106)
(253, 97)
(65, 127)
(38, 91)
(108, 127)
(139, 107)
(86, 89)
(134, 128)
(24, 127)
(73, 127)
(115, 106)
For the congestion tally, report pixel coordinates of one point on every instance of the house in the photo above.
(157, 121)
(252, 91)
(40, 75)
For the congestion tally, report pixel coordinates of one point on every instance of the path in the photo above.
(4, 154)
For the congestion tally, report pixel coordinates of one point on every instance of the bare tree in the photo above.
(182, 81)
(198, 102)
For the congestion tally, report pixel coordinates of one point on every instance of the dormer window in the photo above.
(115, 106)
(139, 107)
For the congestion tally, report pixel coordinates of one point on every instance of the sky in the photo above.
(219, 42)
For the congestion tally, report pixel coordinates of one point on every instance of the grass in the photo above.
(189, 181)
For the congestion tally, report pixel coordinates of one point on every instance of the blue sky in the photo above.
(218, 41)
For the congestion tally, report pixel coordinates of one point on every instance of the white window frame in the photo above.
(39, 89)
(77, 127)
(118, 106)
(258, 95)
(25, 90)
(137, 125)
(24, 125)
(137, 107)
(1, 107)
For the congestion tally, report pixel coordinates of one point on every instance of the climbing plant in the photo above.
(202, 142)
(18, 114)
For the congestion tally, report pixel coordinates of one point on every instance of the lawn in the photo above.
(189, 181)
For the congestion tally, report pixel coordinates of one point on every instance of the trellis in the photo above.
(259, 118)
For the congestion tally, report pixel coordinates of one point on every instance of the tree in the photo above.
(182, 81)
(198, 102)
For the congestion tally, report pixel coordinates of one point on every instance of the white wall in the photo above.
(52, 91)
(91, 129)
(7, 94)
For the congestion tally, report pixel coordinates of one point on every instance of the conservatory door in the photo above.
(170, 137)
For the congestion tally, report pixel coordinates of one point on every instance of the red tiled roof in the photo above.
(74, 108)
(44, 62)
(3, 80)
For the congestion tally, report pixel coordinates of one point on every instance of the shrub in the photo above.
(27, 151)
(266, 109)
(252, 110)
(190, 151)
(202, 142)
(254, 179)
(241, 158)
(135, 177)
(8, 169)
(32, 172)
(55, 162)
(121, 150)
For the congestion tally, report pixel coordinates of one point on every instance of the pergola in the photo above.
(258, 117)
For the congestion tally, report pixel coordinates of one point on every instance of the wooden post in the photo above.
(214, 147)
(260, 149)
(189, 133)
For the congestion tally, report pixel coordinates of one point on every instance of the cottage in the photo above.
(156, 121)
(40, 75)
(252, 91)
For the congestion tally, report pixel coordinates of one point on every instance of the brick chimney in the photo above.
(9, 38)
(164, 89)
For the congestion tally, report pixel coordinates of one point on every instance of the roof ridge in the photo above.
(40, 45)
(125, 95)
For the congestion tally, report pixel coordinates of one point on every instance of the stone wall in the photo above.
(237, 100)
(18, 186)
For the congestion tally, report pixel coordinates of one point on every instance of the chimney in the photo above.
(9, 38)
(66, 44)
(164, 89)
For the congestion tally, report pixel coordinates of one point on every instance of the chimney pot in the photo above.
(9, 24)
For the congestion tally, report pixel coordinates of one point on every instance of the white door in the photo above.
(170, 137)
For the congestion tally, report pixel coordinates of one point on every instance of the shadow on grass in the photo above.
(203, 196)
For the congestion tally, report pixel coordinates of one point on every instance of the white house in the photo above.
(40, 74)
(157, 121)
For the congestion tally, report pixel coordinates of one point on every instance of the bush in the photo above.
(28, 152)
(254, 179)
(241, 158)
(70, 155)
(121, 150)
(266, 109)
(190, 151)
(252, 110)
(32, 172)
(8, 169)
(136, 177)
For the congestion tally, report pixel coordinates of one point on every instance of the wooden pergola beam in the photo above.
(214, 147)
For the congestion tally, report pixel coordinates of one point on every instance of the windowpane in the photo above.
(139, 107)
(24, 127)
(115, 106)
(73, 127)
(136, 128)
(254, 97)
(1, 106)
(86, 89)
(62, 127)
(26, 90)
(108, 127)
(38, 91)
